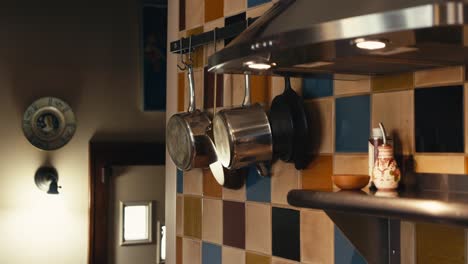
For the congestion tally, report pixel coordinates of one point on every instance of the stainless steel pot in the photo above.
(186, 138)
(243, 135)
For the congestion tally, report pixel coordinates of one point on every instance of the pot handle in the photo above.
(246, 101)
(262, 170)
(192, 106)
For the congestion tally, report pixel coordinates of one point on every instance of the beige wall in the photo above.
(86, 54)
(136, 183)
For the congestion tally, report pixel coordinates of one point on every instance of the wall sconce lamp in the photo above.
(46, 179)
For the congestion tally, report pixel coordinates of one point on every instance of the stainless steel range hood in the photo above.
(301, 37)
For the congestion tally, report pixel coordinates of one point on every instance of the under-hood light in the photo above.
(258, 65)
(369, 44)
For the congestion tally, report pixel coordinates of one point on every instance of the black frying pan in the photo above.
(290, 127)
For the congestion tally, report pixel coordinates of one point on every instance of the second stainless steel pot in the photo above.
(243, 135)
(186, 135)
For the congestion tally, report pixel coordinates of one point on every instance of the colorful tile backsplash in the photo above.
(424, 112)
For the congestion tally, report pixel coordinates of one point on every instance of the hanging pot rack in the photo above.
(229, 31)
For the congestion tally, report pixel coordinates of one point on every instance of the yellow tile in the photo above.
(197, 53)
(351, 164)
(192, 216)
(214, 9)
(191, 252)
(318, 174)
(258, 10)
(260, 88)
(284, 178)
(232, 7)
(252, 258)
(212, 221)
(408, 242)
(258, 228)
(322, 112)
(180, 215)
(317, 232)
(345, 87)
(276, 260)
(194, 13)
(233, 255)
(396, 111)
(193, 182)
(403, 81)
(426, 163)
(437, 77)
(234, 195)
(440, 244)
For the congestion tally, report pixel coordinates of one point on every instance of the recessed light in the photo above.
(370, 44)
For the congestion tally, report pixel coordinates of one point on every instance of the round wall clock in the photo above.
(49, 123)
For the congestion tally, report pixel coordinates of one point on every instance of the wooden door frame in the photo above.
(103, 155)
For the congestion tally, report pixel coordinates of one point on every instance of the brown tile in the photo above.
(214, 9)
(258, 228)
(396, 111)
(232, 7)
(325, 110)
(180, 215)
(318, 174)
(211, 188)
(191, 251)
(408, 242)
(233, 256)
(179, 252)
(194, 10)
(212, 221)
(192, 216)
(438, 77)
(234, 224)
(392, 82)
(351, 164)
(198, 53)
(426, 163)
(209, 89)
(346, 87)
(252, 258)
(439, 244)
(193, 182)
(260, 88)
(181, 91)
(182, 15)
(317, 233)
(284, 178)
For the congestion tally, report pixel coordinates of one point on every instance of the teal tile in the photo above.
(211, 253)
(352, 123)
(345, 252)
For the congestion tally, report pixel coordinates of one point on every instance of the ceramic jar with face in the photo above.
(386, 174)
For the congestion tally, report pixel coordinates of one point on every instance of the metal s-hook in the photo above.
(190, 61)
(181, 58)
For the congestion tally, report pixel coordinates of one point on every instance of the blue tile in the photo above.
(317, 87)
(252, 3)
(345, 252)
(285, 228)
(438, 114)
(211, 253)
(352, 123)
(180, 181)
(258, 187)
